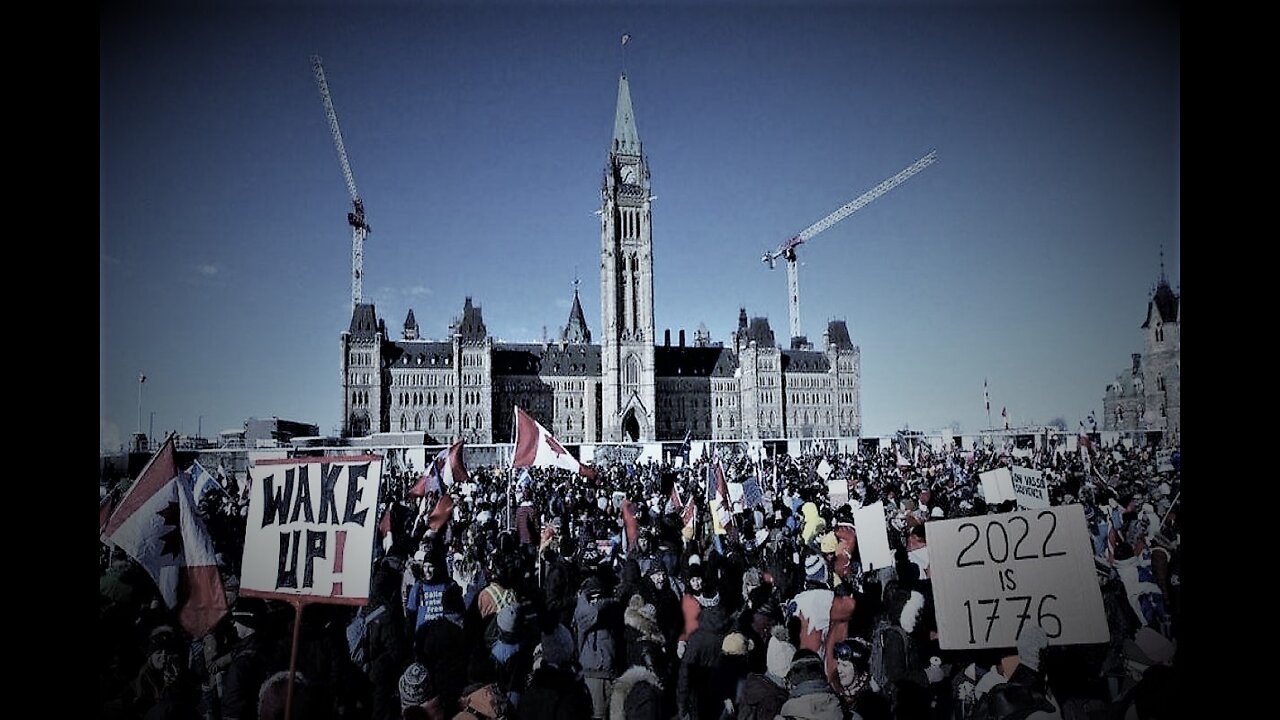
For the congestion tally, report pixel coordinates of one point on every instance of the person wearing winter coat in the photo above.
(697, 694)
(253, 658)
(811, 696)
(556, 690)
(595, 624)
(637, 694)
(763, 694)
(441, 645)
(641, 631)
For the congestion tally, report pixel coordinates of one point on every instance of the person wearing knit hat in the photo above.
(811, 695)
(815, 571)
(732, 670)
(763, 694)
(415, 687)
(557, 646)
(736, 644)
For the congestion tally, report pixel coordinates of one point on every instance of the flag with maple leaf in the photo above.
(157, 524)
(535, 447)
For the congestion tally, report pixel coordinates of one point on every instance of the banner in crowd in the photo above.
(1030, 488)
(995, 575)
(1164, 461)
(751, 495)
(997, 486)
(616, 454)
(873, 536)
(310, 528)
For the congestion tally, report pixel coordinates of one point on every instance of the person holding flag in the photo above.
(158, 525)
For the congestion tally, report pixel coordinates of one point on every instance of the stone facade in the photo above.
(1147, 396)
(626, 388)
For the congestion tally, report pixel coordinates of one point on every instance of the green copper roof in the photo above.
(625, 138)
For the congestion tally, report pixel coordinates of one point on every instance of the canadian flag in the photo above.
(535, 447)
(446, 469)
(157, 524)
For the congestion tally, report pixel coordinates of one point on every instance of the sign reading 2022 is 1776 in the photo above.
(996, 575)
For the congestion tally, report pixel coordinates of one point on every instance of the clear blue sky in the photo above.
(1025, 255)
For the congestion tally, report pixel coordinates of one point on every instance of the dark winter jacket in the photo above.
(594, 624)
(253, 659)
(637, 695)
(554, 694)
(761, 698)
(441, 646)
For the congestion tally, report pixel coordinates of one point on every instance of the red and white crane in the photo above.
(788, 249)
(356, 219)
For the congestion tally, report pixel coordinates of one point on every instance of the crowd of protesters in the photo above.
(534, 601)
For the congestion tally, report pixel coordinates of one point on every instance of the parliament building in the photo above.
(629, 385)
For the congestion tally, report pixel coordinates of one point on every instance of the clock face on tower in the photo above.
(628, 174)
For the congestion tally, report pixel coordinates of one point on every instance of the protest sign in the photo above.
(1164, 461)
(997, 486)
(873, 536)
(1030, 488)
(751, 495)
(310, 528)
(994, 575)
(824, 469)
(838, 491)
(735, 491)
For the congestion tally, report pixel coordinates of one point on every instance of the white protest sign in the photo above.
(824, 469)
(873, 536)
(1164, 461)
(995, 575)
(838, 491)
(1030, 488)
(310, 528)
(735, 491)
(997, 486)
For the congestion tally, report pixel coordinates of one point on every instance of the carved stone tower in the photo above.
(626, 284)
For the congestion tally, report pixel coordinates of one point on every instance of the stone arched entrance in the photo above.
(630, 426)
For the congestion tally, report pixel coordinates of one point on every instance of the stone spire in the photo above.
(626, 140)
(576, 332)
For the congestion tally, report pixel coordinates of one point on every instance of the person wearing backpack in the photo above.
(897, 666)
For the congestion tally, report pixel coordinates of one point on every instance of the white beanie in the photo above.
(815, 568)
(778, 656)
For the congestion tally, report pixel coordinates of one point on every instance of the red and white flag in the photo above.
(386, 530)
(673, 503)
(157, 524)
(445, 470)
(630, 526)
(689, 513)
(535, 447)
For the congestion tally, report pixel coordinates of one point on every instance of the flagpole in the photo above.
(515, 426)
(141, 379)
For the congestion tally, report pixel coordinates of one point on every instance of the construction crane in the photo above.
(788, 249)
(359, 227)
